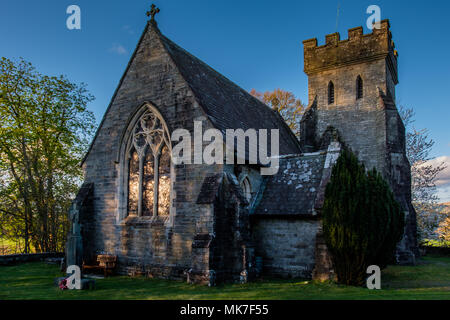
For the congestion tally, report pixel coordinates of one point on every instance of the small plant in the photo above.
(63, 284)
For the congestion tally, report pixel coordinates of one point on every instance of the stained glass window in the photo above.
(149, 164)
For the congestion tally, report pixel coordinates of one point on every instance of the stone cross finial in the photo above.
(152, 12)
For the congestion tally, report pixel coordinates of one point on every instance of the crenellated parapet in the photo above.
(358, 48)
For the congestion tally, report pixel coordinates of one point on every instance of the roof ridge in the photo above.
(162, 37)
(214, 71)
(257, 104)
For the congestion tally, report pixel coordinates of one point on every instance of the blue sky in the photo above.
(255, 43)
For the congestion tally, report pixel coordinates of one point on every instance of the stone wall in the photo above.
(12, 259)
(287, 246)
(373, 74)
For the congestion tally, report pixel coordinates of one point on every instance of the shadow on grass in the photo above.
(430, 279)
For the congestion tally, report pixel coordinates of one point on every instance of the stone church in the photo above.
(210, 223)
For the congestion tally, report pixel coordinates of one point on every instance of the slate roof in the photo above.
(210, 187)
(226, 104)
(293, 190)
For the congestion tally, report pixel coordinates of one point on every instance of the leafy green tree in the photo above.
(44, 131)
(362, 222)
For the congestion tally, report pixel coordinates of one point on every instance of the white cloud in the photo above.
(128, 29)
(443, 179)
(444, 193)
(118, 49)
(444, 176)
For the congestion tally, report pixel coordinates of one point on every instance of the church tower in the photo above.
(351, 91)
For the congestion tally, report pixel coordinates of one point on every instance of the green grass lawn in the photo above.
(430, 279)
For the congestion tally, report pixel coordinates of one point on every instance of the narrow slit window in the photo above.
(247, 188)
(330, 93)
(359, 88)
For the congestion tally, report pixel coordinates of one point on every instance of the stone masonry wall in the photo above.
(12, 259)
(287, 246)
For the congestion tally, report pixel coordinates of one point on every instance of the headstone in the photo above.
(74, 245)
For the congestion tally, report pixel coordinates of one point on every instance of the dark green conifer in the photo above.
(362, 222)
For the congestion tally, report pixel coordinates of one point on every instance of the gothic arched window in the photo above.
(359, 88)
(148, 162)
(330, 92)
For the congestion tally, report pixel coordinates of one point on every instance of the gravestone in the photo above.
(74, 245)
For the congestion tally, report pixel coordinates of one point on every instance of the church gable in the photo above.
(151, 82)
(161, 69)
(152, 77)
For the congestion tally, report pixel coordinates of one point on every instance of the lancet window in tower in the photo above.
(359, 88)
(330, 93)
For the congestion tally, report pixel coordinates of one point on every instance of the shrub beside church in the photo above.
(362, 222)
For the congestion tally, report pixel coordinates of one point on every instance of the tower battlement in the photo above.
(358, 48)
